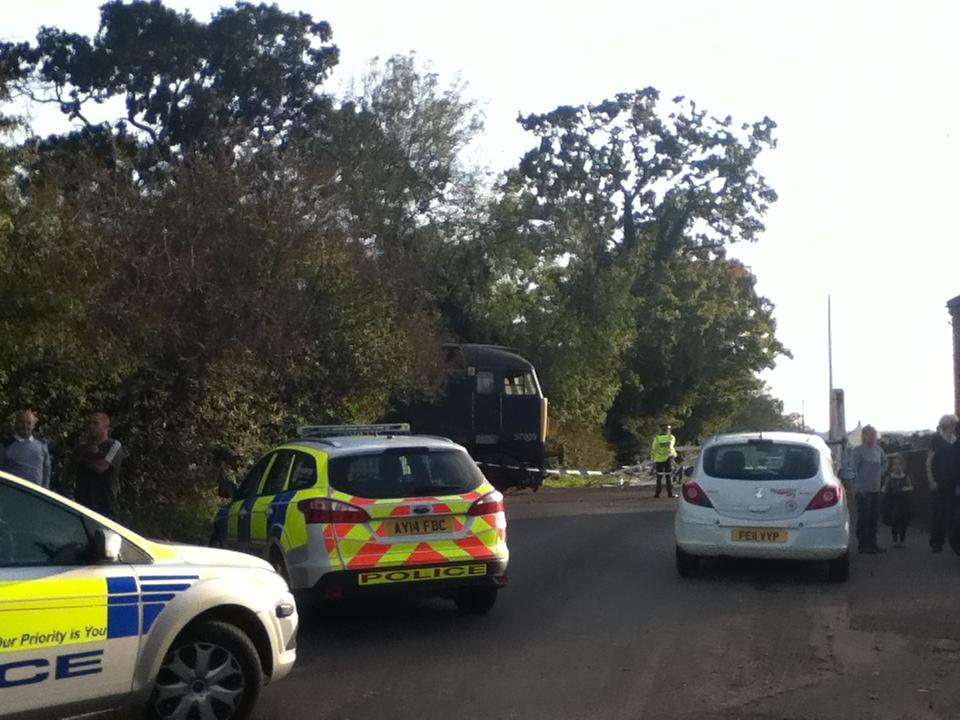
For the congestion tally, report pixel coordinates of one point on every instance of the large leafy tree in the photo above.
(667, 176)
(398, 142)
(252, 72)
(203, 280)
(655, 191)
(703, 334)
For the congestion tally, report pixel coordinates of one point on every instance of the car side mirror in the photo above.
(227, 488)
(108, 545)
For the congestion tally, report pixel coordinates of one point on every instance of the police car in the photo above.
(359, 509)
(94, 618)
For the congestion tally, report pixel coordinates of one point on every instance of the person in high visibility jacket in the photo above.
(664, 451)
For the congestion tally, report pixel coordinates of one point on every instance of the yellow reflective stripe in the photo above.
(258, 518)
(37, 614)
(49, 588)
(450, 550)
(233, 520)
(52, 627)
(162, 552)
(295, 525)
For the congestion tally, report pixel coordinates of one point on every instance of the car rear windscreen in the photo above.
(761, 460)
(405, 472)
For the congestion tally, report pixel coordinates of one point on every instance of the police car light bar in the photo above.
(320, 431)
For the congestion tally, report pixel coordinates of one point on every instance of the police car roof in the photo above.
(348, 445)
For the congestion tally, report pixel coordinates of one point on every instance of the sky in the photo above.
(867, 104)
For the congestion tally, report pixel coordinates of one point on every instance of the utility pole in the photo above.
(838, 424)
(830, 346)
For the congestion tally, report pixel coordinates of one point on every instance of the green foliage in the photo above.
(668, 177)
(584, 446)
(237, 253)
(572, 481)
(642, 199)
(703, 334)
(762, 411)
(252, 72)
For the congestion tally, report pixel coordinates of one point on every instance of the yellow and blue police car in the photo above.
(364, 508)
(96, 619)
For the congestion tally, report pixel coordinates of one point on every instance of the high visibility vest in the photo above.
(663, 448)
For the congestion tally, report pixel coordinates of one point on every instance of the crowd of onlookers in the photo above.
(884, 491)
(92, 467)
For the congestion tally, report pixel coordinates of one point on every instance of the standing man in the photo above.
(869, 463)
(97, 460)
(664, 451)
(24, 454)
(942, 474)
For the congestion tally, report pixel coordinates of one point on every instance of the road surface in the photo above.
(596, 624)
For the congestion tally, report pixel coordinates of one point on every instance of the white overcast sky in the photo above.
(867, 99)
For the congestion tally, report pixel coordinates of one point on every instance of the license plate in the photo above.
(397, 527)
(763, 535)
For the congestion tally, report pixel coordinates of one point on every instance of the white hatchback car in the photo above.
(764, 495)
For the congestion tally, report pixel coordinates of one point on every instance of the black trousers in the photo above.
(898, 513)
(664, 472)
(868, 515)
(941, 518)
(98, 494)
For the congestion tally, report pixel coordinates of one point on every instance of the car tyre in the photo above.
(687, 564)
(839, 569)
(476, 601)
(212, 669)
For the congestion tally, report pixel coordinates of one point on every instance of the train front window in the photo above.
(519, 383)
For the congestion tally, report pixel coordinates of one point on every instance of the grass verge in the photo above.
(573, 481)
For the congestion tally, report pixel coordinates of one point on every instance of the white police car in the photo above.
(94, 618)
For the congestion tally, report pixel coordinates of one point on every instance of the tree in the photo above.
(627, 186)
(703, 334)
(762, 411)
(185, 86)
(401, 139)
(669, 178)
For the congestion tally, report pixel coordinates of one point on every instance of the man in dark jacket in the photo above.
(97, 460)
(942, 467)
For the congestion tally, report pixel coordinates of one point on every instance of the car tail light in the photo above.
(324, 510)
(827, 497)
(695, 495)
(487, 505)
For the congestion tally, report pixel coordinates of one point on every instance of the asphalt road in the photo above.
(596, 624)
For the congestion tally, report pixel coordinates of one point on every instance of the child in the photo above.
(897, 495)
